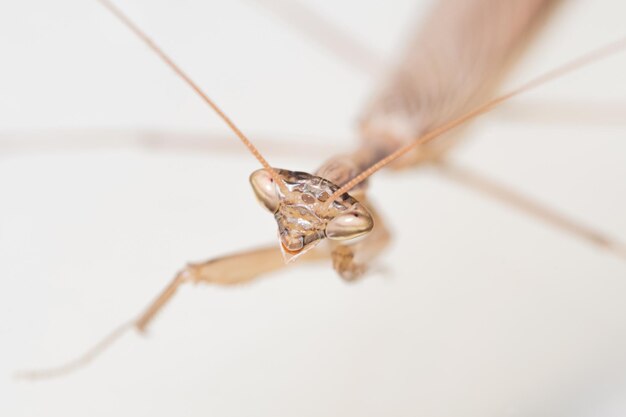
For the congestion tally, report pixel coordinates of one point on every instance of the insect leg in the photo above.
(239, 268)
(478, 182)
(25, 142)
(352, 260)
(236, 269)
(331, 36)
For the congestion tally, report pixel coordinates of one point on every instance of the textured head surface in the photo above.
(303, 220)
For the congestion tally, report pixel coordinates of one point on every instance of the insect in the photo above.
(262, 179)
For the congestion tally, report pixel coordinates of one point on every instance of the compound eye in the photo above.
(357, 222)
(265, 189)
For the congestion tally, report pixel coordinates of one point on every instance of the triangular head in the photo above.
(301, 213)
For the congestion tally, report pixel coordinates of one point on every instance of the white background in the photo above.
(475, 310)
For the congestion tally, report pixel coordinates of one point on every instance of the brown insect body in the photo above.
(453, 63)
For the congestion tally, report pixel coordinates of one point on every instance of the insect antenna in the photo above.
(584, 60)
(142, 320)
(185, 77)
(350, 49)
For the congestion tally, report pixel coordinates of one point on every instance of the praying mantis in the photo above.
(349, 272)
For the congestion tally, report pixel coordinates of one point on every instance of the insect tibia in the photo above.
(168, 292)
